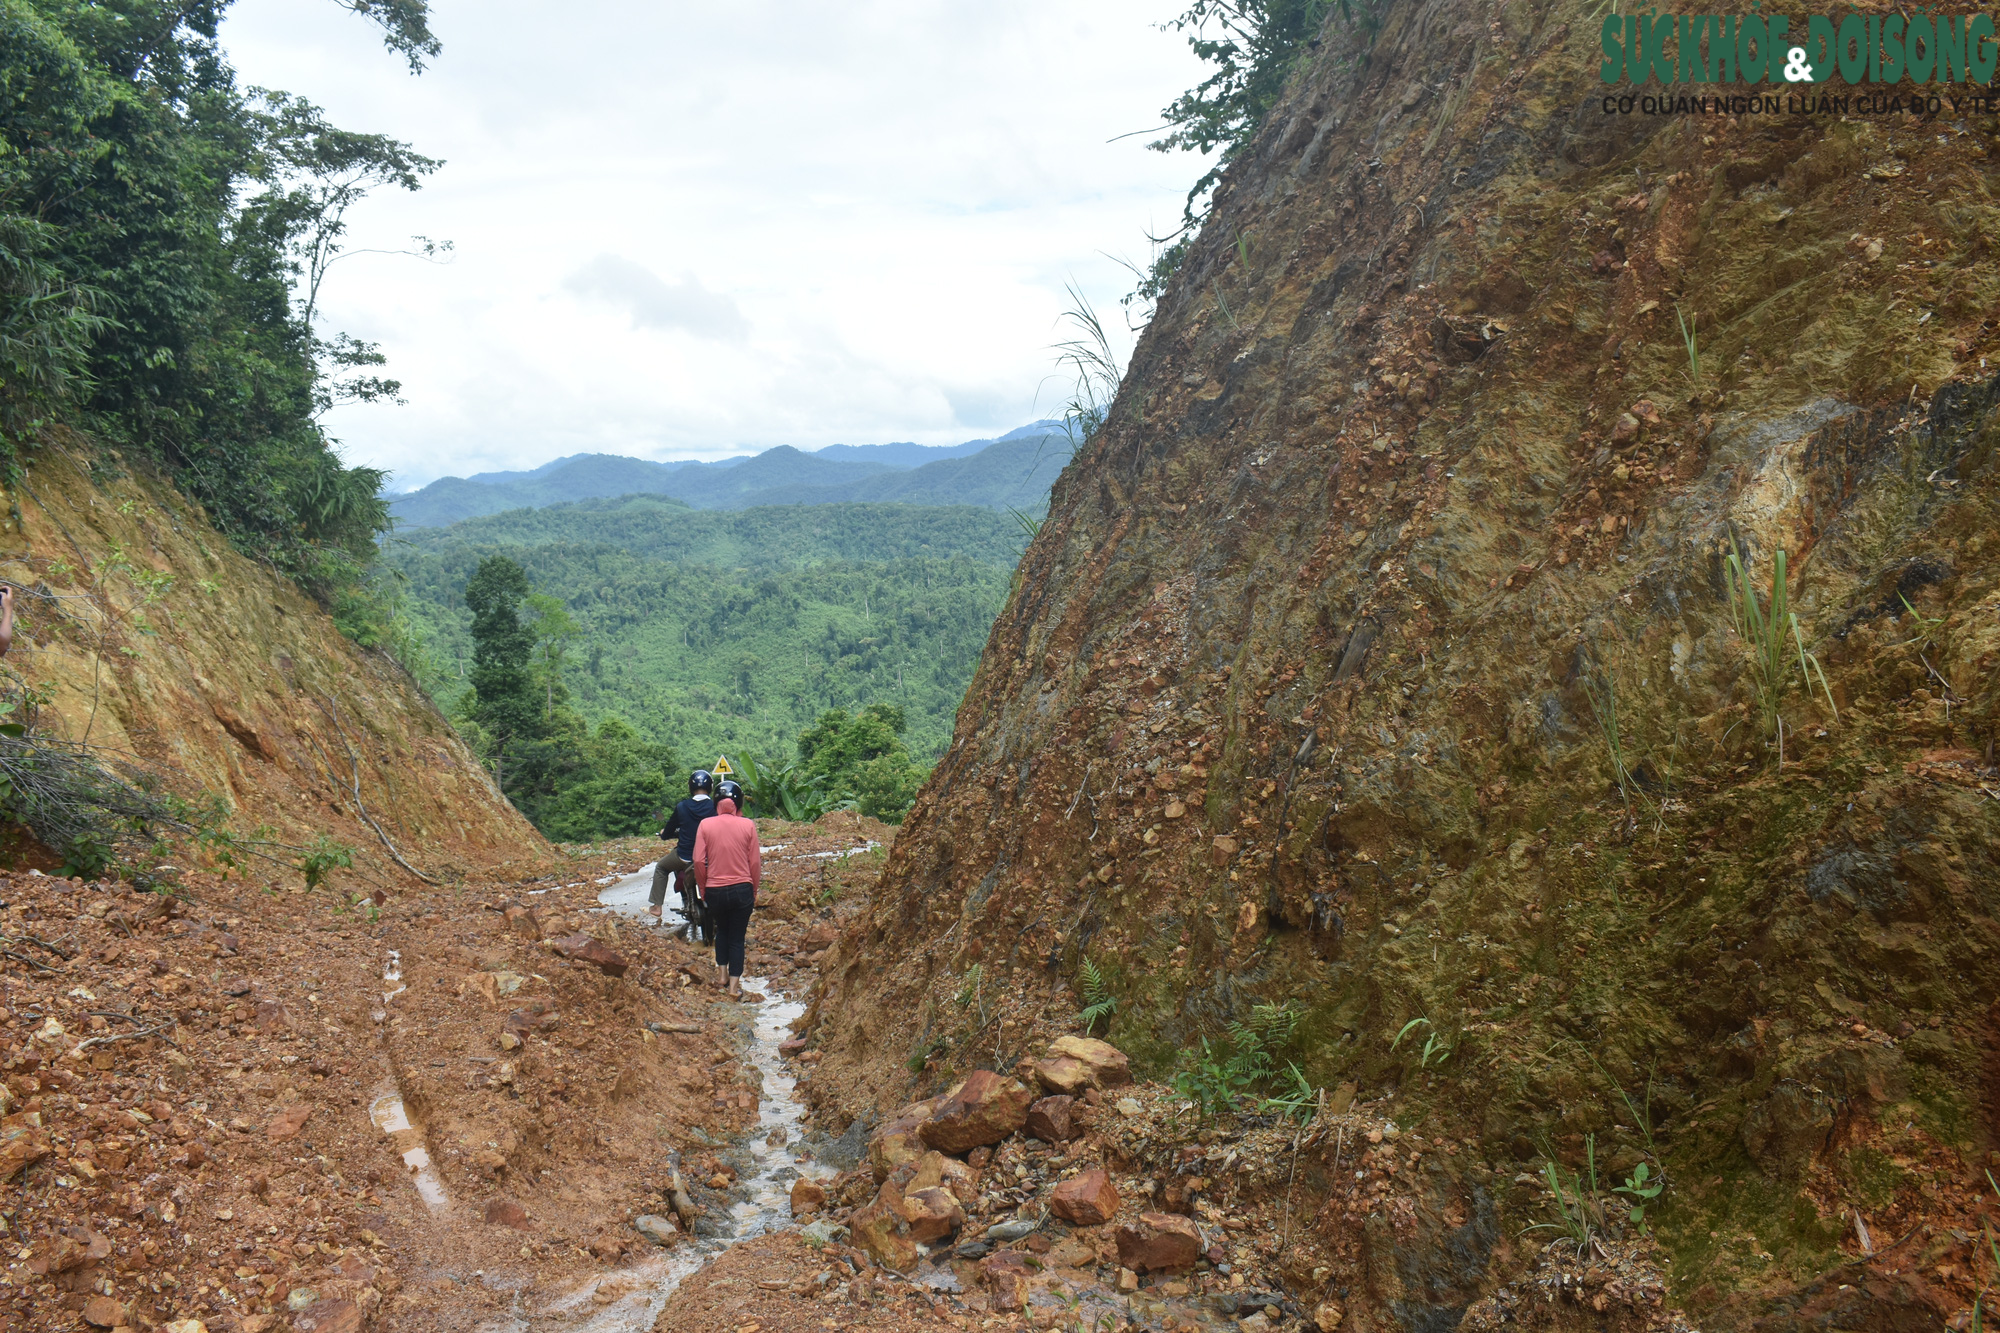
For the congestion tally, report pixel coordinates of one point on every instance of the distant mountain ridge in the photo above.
(1013, 471)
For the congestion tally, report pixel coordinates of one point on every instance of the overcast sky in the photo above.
(688, 231)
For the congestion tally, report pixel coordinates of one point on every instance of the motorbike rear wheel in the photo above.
(698, 918)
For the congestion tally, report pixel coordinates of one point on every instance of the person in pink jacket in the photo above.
(728, 868)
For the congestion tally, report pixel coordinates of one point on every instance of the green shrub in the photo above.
(322, 856)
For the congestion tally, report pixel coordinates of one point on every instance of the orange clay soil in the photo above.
(189, 1084)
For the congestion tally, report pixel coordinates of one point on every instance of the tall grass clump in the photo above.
(1094, 369)
(1773, 641)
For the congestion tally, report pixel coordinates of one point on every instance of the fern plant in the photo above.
(1099, 1004)
(1770, 632)
(1218, 1082)
(1215, 1081)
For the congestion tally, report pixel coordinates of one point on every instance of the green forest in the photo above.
(660, 637)
(164, 234)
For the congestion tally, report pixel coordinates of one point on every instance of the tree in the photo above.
(501, 647)
(1254, 46)
(553, 631)
(864, 755)
(47, 325)
(405, 27)
(315, 172)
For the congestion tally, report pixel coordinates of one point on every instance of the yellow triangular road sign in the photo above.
(722, 768)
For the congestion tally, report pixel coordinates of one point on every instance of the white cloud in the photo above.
(654, 304)
(810, 224)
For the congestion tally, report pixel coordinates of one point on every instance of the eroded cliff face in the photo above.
(1306, 688)
(175, 654)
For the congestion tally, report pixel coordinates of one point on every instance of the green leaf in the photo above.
(1413, 1023)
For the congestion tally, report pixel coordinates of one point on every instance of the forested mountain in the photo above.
(712, 631)
(659, 527)
(1014, 471)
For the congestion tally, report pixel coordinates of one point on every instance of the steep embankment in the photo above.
(1307, 689)
(158, 643)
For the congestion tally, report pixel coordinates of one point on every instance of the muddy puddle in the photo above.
(389, 1115)
(769, 1158)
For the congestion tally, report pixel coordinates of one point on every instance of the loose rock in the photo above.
(1158, 1241)
(1052, 1120)
(808, 1197)
(1087, 1200)
(659, 1230)
(898, 1141)
(582, 948)
(984, 1109)
(507, 1213)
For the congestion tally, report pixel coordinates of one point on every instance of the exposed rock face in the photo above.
(1378, 656)
(222, 677)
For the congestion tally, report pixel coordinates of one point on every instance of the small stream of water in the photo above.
(776, 1157)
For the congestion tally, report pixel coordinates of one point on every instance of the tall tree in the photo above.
(502, 645)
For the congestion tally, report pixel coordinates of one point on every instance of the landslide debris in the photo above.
(229, 1104)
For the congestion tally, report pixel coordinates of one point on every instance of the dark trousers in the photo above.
(729, 906)
(663, 872)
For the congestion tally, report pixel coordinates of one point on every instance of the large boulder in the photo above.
(1157, 1241)
(897, 1140)
(808, 1196)
(1062, 1074)
(1107, 1063)
(1086, 1200)
(984, 1109)
(933, 1214)
(881, 1229)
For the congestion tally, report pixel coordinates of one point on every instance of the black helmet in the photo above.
(731, 791)
(700, 780)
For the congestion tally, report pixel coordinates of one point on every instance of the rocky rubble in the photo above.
(1006, 1196)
